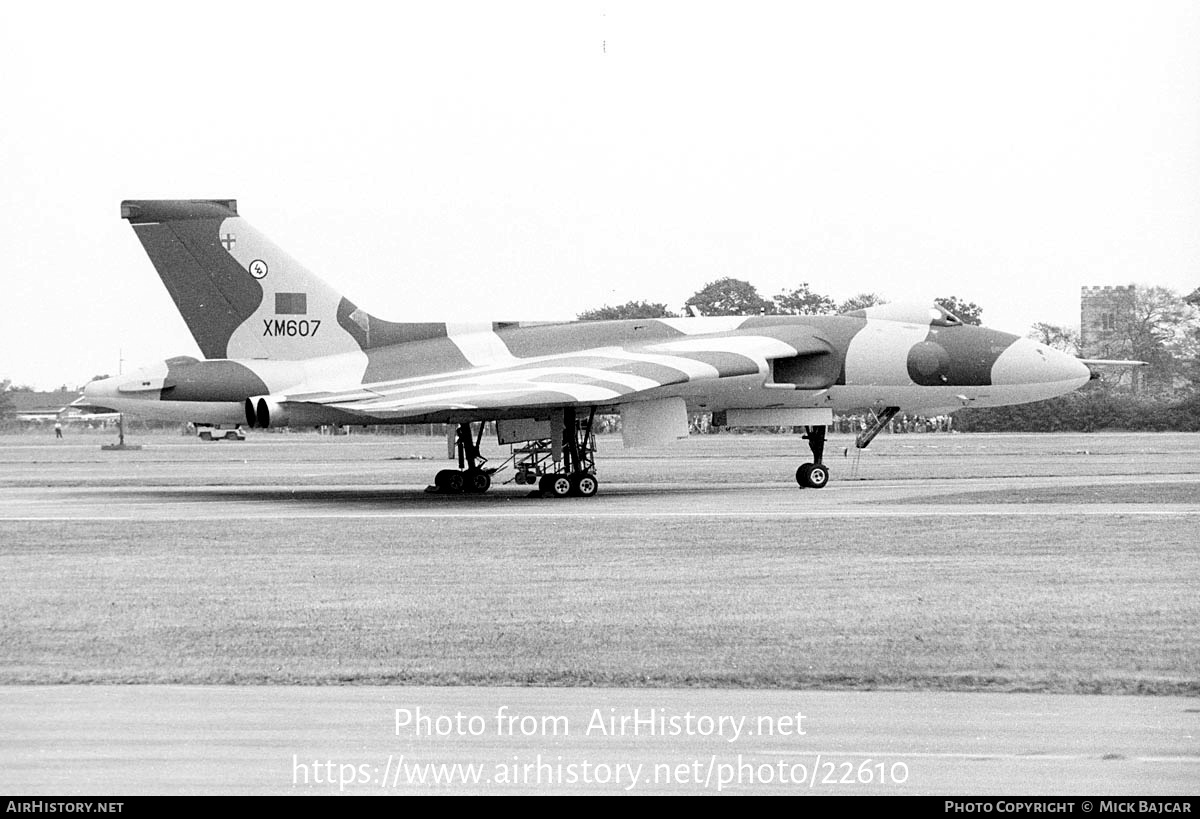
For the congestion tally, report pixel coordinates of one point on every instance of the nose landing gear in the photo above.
(816, 474)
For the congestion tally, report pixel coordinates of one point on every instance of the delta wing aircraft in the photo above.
(281, 348)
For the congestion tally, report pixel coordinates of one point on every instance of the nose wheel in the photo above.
(814, 475)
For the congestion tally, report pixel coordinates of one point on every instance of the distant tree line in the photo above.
(6, 404)
(736, 297)
(1094, 408)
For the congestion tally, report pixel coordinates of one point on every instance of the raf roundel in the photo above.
(258, 269)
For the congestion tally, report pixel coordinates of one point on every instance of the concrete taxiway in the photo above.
(101, 740)
(667, 501)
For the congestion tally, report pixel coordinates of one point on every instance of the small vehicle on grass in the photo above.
(216, 433)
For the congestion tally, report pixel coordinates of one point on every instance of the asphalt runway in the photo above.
(120, 739)
(64, 740)
(642, 501)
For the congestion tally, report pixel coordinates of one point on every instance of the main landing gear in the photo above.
(577, 474)
(471, 477)
(816, 474)
(560, 469)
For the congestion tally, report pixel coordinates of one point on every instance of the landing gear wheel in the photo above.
(584, 484)
(449, 481)
(813, 476)
(477, 481)
(802, 474)
(556, 486)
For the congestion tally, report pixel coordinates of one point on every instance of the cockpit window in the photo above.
(911, 313)
(942, 317)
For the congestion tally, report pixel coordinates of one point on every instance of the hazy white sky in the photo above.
(515, 160)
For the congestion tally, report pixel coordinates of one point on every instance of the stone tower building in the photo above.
(1101, 310)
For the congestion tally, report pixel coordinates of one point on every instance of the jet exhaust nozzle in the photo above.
(265, 412)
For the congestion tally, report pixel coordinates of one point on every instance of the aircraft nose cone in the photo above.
(1027, 362)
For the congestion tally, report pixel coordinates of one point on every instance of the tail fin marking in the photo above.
(244, 297)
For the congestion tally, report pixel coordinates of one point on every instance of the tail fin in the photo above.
(242, 296)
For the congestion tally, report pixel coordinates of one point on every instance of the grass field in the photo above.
(855, 586)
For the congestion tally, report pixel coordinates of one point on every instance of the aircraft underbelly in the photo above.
(204, 412)
(750, 394)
